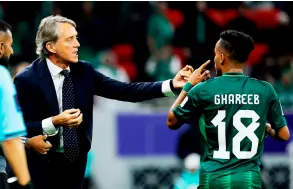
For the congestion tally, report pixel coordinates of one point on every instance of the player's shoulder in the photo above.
(211, 82)
(207, 83)
(4, 74)
(3, 71)
(5, 80)
(202, 85)
(261, 83)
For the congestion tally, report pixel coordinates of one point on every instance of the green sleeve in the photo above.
(275, 114)
(191, 105)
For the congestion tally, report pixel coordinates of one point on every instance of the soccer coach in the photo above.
(56, 96)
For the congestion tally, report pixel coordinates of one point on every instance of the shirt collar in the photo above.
(54, 70)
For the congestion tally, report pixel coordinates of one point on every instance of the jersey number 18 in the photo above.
(243, 132)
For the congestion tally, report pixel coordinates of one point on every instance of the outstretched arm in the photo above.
(140, 91)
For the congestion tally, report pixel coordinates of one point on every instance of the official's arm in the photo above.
(12, 127)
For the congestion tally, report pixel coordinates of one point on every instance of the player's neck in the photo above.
(235, 67)
(234, 70)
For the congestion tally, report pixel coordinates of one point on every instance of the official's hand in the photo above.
(68, 118)
(182, 77)
(38, 144)
(200, 74)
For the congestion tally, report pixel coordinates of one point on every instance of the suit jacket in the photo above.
(38, 101)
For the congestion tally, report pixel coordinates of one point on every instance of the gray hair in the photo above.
(48, 32)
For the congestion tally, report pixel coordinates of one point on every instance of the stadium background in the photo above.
(148, 41)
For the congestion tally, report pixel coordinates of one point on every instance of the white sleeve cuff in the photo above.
(166, 89)
(48, 127)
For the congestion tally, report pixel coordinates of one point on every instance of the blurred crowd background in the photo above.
(150, 41)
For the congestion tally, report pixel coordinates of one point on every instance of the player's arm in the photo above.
(282, 134)
(173, 122)
(186, 104)
(12, 127)
(277, 128)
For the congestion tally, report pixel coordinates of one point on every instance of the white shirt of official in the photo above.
(58, 79)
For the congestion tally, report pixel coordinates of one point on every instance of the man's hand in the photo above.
(200, 74)
(282, 133)
(182, 77)
(269, 130)
(268, 127)
(38, 144)
(68, 118)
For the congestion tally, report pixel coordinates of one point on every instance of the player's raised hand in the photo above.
(199, 75)
(182, 77)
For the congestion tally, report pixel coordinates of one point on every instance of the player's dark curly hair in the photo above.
(4, 26)
(238, 44)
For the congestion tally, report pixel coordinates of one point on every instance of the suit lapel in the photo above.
(47, 86)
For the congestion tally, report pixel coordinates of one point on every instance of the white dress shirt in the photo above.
(58, 78)
(47, 125)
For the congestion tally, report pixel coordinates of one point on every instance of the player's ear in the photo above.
(222, 59)
(1, 49)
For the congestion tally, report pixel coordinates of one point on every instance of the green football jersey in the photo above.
(233, 109)
(228, 180)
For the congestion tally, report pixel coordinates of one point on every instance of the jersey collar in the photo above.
(234, 74)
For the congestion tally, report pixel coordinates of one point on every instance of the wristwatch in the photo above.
(24, 140)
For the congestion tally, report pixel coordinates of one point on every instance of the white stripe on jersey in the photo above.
(184, 101)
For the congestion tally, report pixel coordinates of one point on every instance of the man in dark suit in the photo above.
(56, 96)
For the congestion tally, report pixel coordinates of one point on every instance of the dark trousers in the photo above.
(57, 172)
(3, 181)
